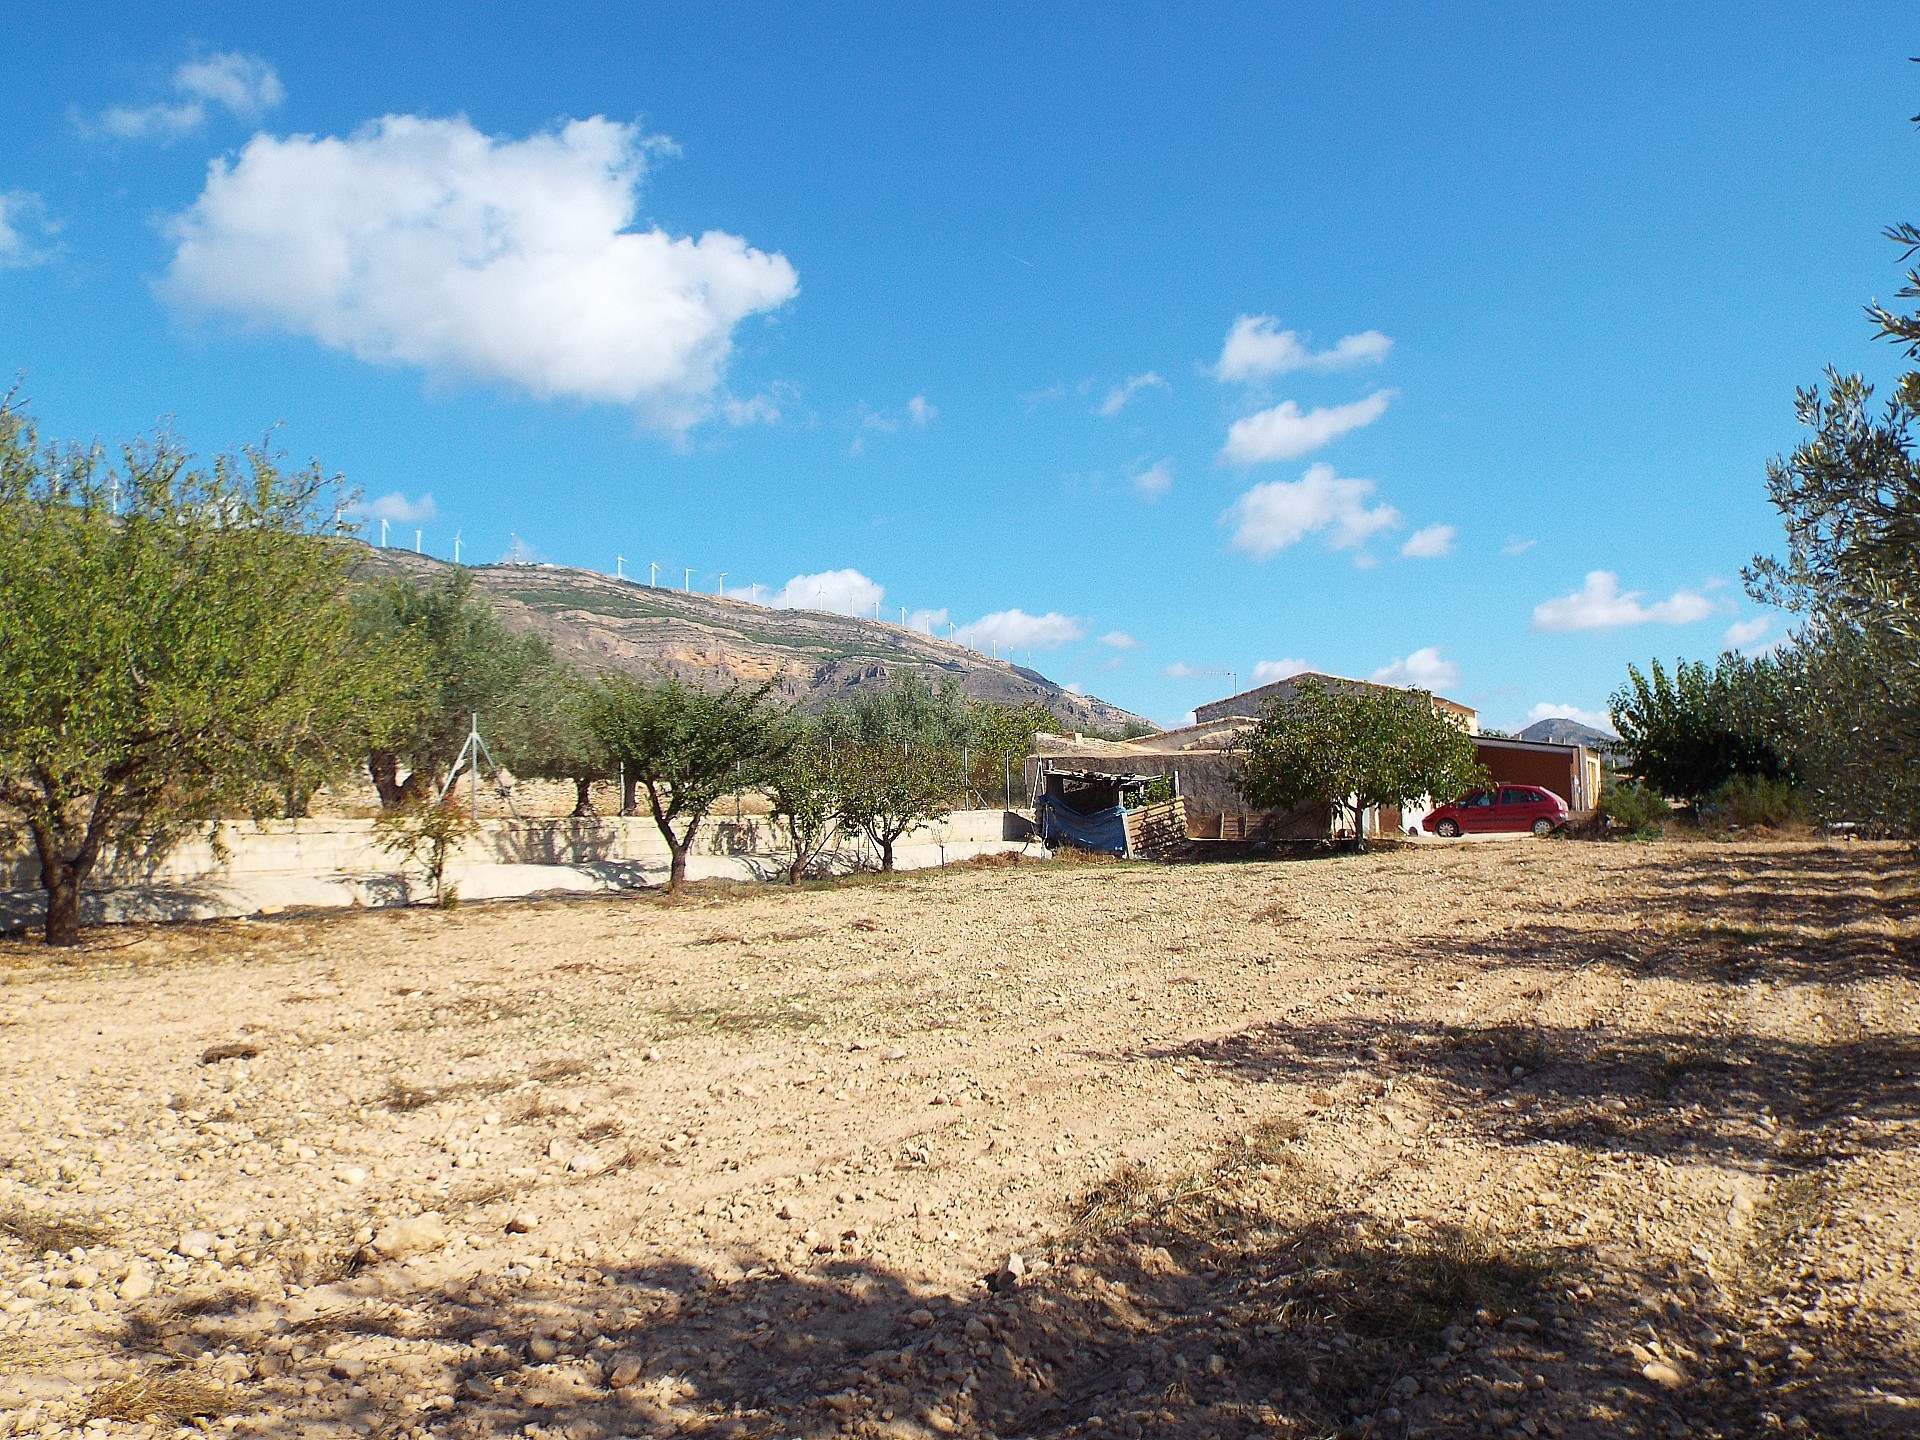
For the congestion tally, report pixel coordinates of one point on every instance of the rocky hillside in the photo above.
(600, 623)
(1570, 732)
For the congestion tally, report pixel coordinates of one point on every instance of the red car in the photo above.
(1508, 807)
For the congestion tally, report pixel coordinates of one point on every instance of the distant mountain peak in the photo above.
(1569, 732)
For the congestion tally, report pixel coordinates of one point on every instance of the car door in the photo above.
(1475, 811)
(1514, 808)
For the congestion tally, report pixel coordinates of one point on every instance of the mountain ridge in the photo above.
(602, 622)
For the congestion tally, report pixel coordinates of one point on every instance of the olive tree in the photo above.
(1353, 748)
(468, 664)
(178, 644)
(685, 748)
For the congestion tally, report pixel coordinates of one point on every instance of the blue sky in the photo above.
(1437, 343)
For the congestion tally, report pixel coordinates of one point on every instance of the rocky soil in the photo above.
(1540, 1139)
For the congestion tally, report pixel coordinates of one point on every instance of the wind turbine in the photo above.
(416, 542)
(653, 574)
(687, 584)
(619, 567)
(383, 532)
(720, 588)
(456, 547)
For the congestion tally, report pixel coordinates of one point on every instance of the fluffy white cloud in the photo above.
(765, 408)
(1270, 517)
(1517, 545)
(1549, 710)
(1433, 540)
(1017, 630)
(1600, 604)
(1119, 640)
(1181, 670)
(399, 509)
(1119, 395)
(25, 230)
(845, 592)
(244, 85)
(916, 413)
(928, 622)
(425, 242)
(919, 412)
(1267, 671)
(1254, 350)
(1154, 481)
(1743, 633)
(1285, 431)
(1424, 669)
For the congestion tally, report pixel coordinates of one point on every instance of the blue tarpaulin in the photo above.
(1102, 830)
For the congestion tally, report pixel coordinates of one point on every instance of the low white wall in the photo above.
(288, 864)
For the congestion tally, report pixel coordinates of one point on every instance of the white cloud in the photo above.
(765, 408)
(919, 412)
(1254, 350)
(1599, 604)
(424, 242)
(1180, 670)
(1270, 517)
(1154, 481)
(25, 230)
(1424, 669)
(1548, 710)
(1074, 687)
(399, 509)
(1017, 630)
(244, 85)
(1285, 431)
(916, 413)
(1517, 545)
(928, 622)
(1743, 633)
(1429, 542)
(1119, 640)
(841, 591)
(1120, 394)
(1267, 671)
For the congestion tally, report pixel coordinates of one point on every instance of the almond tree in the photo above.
(1354, 748)
(178, 645)
(685, 748)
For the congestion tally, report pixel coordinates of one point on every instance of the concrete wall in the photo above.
(284, 864)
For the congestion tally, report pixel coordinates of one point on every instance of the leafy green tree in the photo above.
(178, 645)
(886, 789)
(1683, 734)
(1354, 748)
(468, 664)
(685, 748)
(802, 789)
(552, 741)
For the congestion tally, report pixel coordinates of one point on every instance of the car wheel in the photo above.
(1449, 828)
(1543, 827)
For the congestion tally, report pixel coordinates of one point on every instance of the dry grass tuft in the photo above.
(170, 1398)
(51, 1232)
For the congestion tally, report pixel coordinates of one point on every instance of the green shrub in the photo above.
(1638, 809)
(1752, 800)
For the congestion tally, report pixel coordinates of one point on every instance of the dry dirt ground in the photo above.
(1552, 1139)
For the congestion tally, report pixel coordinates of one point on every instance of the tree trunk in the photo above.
(582, 797)
(1360, 829)
(628, 795)
(677, 876)
(383, 768)
(62, 883)
(886, 856)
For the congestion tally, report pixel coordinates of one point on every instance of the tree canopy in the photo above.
(1688, 734)
(685, 748)
(1351, 749)
(178, 641)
